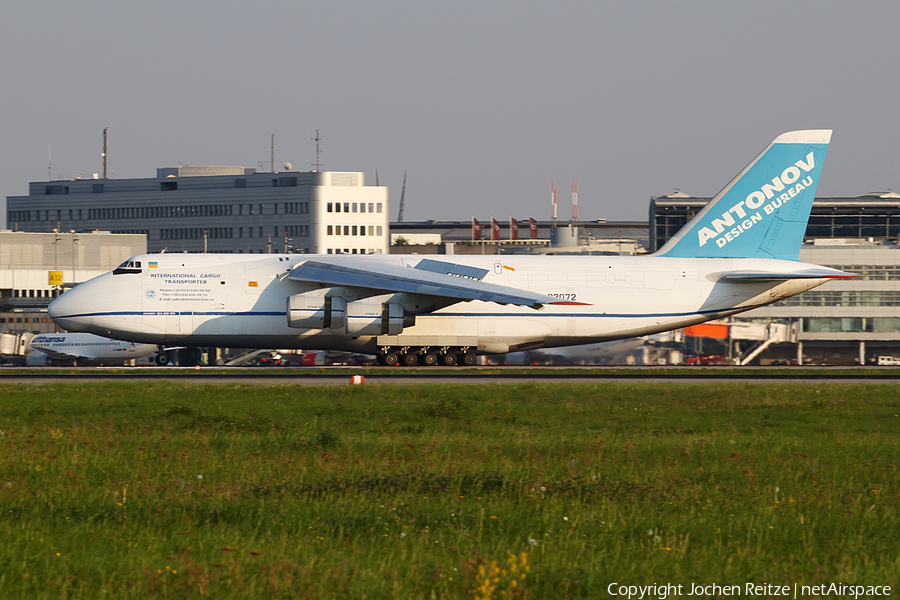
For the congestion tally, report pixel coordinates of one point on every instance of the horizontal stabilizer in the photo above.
(760, 276)
(394, 278)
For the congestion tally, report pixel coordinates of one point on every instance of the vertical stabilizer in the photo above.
(763, 212)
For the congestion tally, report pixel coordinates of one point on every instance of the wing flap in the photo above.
(430, 281)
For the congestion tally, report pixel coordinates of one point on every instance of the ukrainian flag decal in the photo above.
(153, 265)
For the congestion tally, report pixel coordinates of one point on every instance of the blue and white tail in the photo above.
(763, 212)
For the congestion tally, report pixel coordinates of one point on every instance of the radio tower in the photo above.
(318, 165)
(402, 198)
(552, 206)
(104, 152)
(575, 202)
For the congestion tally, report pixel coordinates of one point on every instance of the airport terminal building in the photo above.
(845, 320)
(217, 209)
(37, 267)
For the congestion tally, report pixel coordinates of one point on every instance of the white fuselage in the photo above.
(86, 348)
(239, 301)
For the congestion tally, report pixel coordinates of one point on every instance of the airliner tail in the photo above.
(763, 212)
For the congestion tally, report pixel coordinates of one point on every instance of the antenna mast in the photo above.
(273, 153)
(575, 202)
(402, 199)
(318, 165)
(552, 206)
(104, 152)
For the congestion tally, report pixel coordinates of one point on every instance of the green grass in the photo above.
(136, 490)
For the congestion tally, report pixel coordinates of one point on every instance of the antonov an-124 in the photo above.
(738, 253)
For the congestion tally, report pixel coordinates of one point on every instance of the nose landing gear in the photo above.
(161, 358)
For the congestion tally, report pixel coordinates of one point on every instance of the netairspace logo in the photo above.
(788, 183)
(668, 590)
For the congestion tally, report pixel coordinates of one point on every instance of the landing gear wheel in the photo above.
(430, 359)
(468, 359)
(390, 359)
(448, 360)
(161, 359)
(410, 360)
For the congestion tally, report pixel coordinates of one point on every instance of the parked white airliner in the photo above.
(83, 349)
(738, 253)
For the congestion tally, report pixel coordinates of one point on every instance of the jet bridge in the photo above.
(765, 335)
(15, 347)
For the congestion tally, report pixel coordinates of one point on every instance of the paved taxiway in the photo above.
(461, 375)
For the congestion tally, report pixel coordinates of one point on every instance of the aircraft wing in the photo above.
(428, 278)
(57, 355)
(757, 276)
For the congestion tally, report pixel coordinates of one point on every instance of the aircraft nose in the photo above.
(68, 311)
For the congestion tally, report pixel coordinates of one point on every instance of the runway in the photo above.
(444, 375)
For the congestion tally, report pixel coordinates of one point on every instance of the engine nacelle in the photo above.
(373, 318)
(307, 311)
(313, 359)
(316, 312)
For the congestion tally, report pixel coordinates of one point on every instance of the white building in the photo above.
(217, 209)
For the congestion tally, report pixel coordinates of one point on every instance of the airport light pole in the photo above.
(75, 241)
(56, 240)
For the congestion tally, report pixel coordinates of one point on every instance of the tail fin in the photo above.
(763, 212)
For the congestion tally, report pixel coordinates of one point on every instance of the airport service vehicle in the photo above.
(83, 349)
(738, 253)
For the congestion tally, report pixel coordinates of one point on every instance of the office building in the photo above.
(217, 209)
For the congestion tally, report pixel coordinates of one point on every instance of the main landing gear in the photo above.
(427, 356)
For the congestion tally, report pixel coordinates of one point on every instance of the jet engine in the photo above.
(373, 318)
(352, 318)
(316, 312)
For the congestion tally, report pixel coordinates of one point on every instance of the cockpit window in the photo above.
(129, 266)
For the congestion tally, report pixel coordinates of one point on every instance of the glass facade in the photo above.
(843, 298)
(850, 325)
(867, 217)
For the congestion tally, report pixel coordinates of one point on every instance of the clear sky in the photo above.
(483, 102)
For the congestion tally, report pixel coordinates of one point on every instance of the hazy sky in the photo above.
(484, 103)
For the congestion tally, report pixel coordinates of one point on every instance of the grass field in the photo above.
(138, 490)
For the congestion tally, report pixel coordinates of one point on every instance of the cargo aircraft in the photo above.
(738, 253)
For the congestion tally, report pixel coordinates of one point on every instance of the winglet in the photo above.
(763, 212)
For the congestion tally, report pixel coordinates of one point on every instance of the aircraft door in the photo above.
(185, 322)
(152, 314)
(160, 315)
(176, 323)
